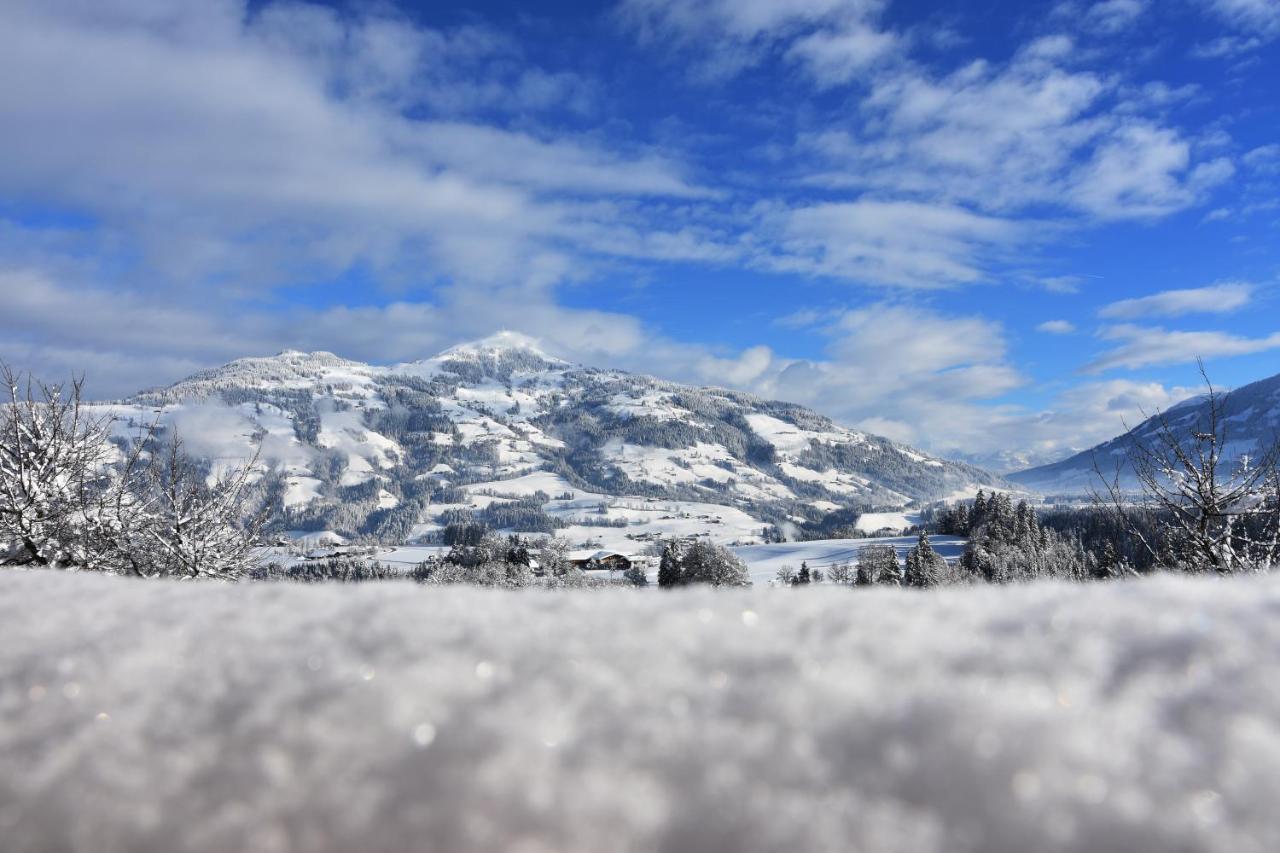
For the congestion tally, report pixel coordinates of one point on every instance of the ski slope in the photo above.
(184, 717)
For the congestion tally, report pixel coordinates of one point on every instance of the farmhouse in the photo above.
(607, 560)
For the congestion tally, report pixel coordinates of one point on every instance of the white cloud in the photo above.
(508, 157)
(1265, 159)
(1222, 298)
(802, 319)
(902, 243)
(741, 371)
(1262, 16)
(1061, 283)
(907, 372)
(1057, 327)
(1034, 132)
(834, 40)
(248, 147)
(1142, 346)
(1257, 23)
(1077, 418)
(1144, 171)
(125, 341)
(379, 55)
(835, 57)
(1112, 16)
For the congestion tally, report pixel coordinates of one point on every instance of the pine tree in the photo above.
(670, 573)
(925, 566)
(889, 572)
(978, 515)
(878, 564)
(865, 571)
(803, 578)
(1107, 564)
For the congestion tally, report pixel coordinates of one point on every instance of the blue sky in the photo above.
(994, 230)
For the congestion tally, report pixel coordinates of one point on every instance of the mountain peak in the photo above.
(501, 342)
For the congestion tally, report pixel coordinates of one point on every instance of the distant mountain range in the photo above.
(1251, 421)
(394, 452)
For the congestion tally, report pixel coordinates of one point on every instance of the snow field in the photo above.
(765, 560)
(870, 522)
(646, 517)
(168, 716)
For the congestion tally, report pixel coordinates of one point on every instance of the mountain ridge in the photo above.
(1251, 419)
(400, 450)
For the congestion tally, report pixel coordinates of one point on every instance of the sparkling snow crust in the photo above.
(167, 716)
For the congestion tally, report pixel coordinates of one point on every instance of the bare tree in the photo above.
(70, 497)
(1219, 512)
(52, 455)
(196, 528)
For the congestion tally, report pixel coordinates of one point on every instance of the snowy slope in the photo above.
(167, 717)
(1251, 422)
(381, 452)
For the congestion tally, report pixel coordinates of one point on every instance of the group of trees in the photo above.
(484, 558)
(877, 565)
(700, 562)
(75, 495)
(343, 568)
(925, 566)
(1007, 543)
(513, 562)
(787, 576)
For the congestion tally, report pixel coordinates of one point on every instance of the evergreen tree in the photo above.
(978, 515)
(636, 575)
(925, 566)
(865, 571)
(878, 564)
(803, 578)
(1107, 563)
(889, 573)
(705, 562)
(670, 573)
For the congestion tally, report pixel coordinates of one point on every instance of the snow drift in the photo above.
(166, 716)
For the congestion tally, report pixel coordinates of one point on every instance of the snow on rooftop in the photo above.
(154, 716)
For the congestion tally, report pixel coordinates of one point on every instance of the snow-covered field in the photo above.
(765, 560)
(762, 560)
(159, 716)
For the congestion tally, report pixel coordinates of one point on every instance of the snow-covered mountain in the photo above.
(1250, 421)
(501, 431)
(1005, 461)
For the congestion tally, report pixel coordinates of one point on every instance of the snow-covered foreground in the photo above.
(158, 716)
